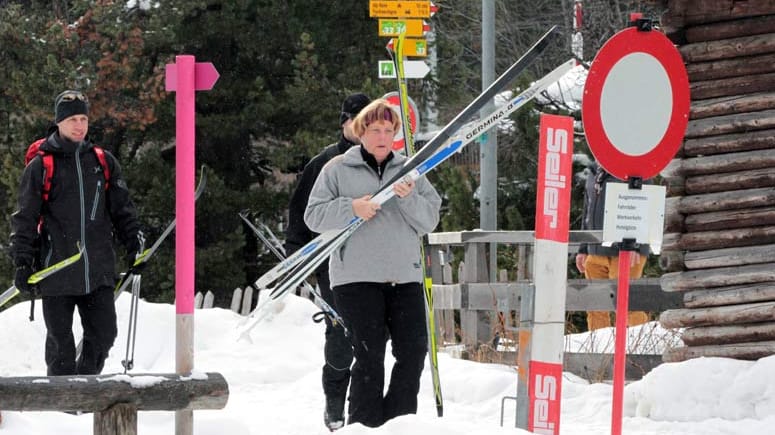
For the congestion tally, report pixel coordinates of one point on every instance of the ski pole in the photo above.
(327, 309)
(129, 357)
(131, 336)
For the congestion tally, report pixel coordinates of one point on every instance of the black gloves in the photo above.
(23, 272)
(136, 269)
(134, 248)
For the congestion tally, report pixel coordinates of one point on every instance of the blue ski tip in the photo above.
(310, 248)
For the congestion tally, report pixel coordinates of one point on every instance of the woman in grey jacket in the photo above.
(376, 275)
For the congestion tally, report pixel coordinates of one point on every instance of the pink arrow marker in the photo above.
(205, 76)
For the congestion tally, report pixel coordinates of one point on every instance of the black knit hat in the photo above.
(352, 105)
(70, 103)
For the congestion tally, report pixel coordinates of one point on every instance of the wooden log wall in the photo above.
(719, 249)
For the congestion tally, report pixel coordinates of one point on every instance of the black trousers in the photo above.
(337, 351)
(98, 318)
(372, 312)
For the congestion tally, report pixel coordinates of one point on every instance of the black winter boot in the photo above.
(334, 414)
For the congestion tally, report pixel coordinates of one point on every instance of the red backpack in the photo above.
(48, 164)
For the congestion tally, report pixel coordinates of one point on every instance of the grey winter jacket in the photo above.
(386, 248)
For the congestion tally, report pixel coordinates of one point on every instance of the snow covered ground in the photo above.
(274, 382)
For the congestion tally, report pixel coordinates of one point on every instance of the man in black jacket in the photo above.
(596, 261)
(338, 351)
(82, 212)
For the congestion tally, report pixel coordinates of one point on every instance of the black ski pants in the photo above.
(372, 312)
(98, 318)
(337, 351)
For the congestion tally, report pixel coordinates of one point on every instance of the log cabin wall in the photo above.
(719, 245)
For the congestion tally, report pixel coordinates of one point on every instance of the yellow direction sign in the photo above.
(400, 8)
(414, 47)
(389, 27)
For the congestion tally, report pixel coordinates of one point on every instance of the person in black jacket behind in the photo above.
(79, 212)
(337, 351)
(600, 262)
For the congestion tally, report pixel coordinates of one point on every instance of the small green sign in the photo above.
(386, 69)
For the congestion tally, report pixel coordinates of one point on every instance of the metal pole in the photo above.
(620, 342)
(431, 113)
(488, 145)
(526, 324)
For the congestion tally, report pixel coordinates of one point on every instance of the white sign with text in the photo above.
(634, 214)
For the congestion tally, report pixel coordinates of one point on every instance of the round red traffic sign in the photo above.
(392, 98)
(635, 106)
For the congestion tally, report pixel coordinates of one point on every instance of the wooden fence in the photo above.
(479, 314)
(482, 317)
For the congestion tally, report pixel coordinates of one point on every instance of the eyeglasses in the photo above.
(72, 96)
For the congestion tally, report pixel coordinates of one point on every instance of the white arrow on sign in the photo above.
(413, 69)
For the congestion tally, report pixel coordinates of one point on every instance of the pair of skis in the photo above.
(409, 149)
(274, 245)
(298, 266)
(41, 275)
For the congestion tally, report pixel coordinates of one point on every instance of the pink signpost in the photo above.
(185, 77)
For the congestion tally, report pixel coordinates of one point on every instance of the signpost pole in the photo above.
(634, 141)
(185, 77)
(620, 344)
(545, 337)
(184, 238)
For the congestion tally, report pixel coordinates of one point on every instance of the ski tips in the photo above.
(244, 336)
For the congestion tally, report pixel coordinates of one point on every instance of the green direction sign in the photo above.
(387, 69)
(414, 47)
(388, 27)
(413, 69)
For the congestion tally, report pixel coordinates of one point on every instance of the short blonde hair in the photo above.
(377, 110)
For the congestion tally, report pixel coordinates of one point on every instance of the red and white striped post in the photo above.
(550, 273)
(577, 38)
(185, 77)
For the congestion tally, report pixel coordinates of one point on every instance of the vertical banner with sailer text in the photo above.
(551, 271)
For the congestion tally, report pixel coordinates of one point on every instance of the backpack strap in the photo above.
(48, 169)
(100, 153)
(48, 173)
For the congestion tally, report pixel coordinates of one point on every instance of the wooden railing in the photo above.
(114, 399)
(477, 313)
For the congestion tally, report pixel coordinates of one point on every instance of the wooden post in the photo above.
(236, 300)
(119, 419)
(474, 324)
(247, 300)
(209, 300)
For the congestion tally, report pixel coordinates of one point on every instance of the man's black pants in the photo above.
(98, 318)
(337, 351)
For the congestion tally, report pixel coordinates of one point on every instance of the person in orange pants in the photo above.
(601, 262)
(603, 267)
